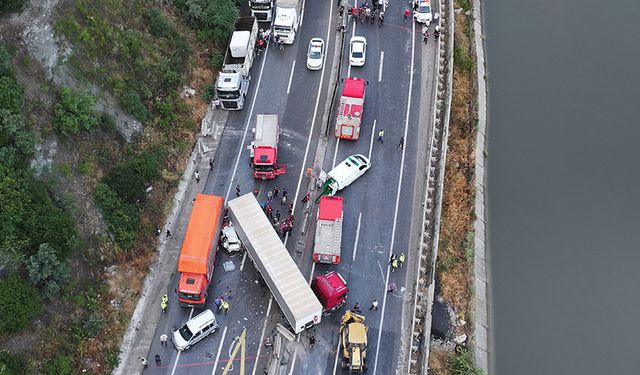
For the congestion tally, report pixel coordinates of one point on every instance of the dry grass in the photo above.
(453, 268)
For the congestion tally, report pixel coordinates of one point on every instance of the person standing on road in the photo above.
(374, 305)
(158, 360)
(391, 288)
(394, 265)
(164, 303)
(197, 176)
(381, 136)
(381, 18)
(237, 190)
(401, 259)
(163, 339)
(306, 197)
(225, 307)
(283, 201)
(392, 258)
(406, 14)
(356, 308)
(401, 144)
(425, 37)
(277, 215)
(284, 192)
(211, 161)
(291, 208)
(276, 191)
(312, 341)
(269, 196)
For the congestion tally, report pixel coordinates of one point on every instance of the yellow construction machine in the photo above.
(353, 333)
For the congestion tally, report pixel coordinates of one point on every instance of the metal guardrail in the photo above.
(425, 276)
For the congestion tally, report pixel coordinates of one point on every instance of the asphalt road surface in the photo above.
(377, 207)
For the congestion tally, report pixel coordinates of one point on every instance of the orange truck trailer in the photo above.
(198, 253)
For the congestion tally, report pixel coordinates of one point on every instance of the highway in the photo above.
(378, 207)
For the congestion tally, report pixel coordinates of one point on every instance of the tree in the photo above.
(6, 68)
(74, 112)
(19, 304)
(46, 271)
(11, 95)
(14, 133)
(12, 254)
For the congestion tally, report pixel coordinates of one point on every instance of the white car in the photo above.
(357, 50)
(230, 240)
(423, 13)
(315, 54)
(199, 327)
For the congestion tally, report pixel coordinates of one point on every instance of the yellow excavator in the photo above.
(353, 333)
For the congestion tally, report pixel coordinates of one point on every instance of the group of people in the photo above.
(425, 33)
(267, 36)
(366, 13)
(286, 225)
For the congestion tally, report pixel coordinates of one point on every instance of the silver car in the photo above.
(196, 329)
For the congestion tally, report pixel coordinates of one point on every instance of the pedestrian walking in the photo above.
(394, 265)
(401, 259)
(269, 196)
(406, 14)
(276, 191)
(158, 360)
(197, 175)
(401, 144)
(374, 305)
(391, 288)
(163, 339)
(356, 308)
(225, 307)
(164, 303)
(392, 258)
(168, 233)
(381, 19)
(312, 341)
(284, 192)
(144, 362)
(211, 161)
(283, 201)
(381, 136)
(425, 37)
(306, 197)
(237, 190)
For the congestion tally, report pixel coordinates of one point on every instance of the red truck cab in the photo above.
(331, 290)
(264, 148)
(350, 109)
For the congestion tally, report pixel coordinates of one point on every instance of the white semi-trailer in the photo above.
(297, 301)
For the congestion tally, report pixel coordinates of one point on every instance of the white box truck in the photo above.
(291, 291)
(233, 80)
(287, 20)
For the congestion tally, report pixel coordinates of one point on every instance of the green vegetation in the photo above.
(12, 364)
(214, 19)
(10, 94)
(462, 59)
(469, 245)
(217, 59)
(46, 271)
(209, 92)
(461, 363)
(7, 6)
(74, 112)
(19, 304)
(60, 365)
(466, 5)
(158, 24)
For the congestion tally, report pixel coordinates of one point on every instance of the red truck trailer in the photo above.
(264, 148)
(198, 253)
(328, 237)
(350, 109)
(331, 290)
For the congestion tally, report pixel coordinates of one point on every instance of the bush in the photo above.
(11, 96)
(12, 364)
(11, 5)
(60, 365)
(217, 59)
(46, 272)
(121, 218)
(209, 92)
(158, 24)
(14, 133)
(107, 122)
(6, 67)
(74, 112)
(132, 103)
(461, 363)
(129, 179)
(461, 59)
(14, 316)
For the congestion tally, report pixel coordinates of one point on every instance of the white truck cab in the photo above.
(286, 21)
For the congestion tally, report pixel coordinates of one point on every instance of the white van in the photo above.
(349, 170)
(199, 327)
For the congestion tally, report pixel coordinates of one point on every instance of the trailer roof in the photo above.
(201, 231)
(354, 87)
(266, 131)
(274, 257)
(330, 208)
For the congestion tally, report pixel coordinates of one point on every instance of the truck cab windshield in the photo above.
(193, 297)
(281, 29)
(263, 168)
(229, 94)
(259, 5)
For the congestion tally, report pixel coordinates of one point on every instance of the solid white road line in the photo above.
(246, 127)
(215, 363)
(293, 68)
(381, 64)
(395, 215)
(335, 363)
(315, 113)
(355, 245)
(373, 134)
(175, 365)
(335, 153)
(313, 268)
(244, 258)
(264, 328)
(293, 363)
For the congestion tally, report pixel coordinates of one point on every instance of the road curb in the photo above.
(480, 304)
